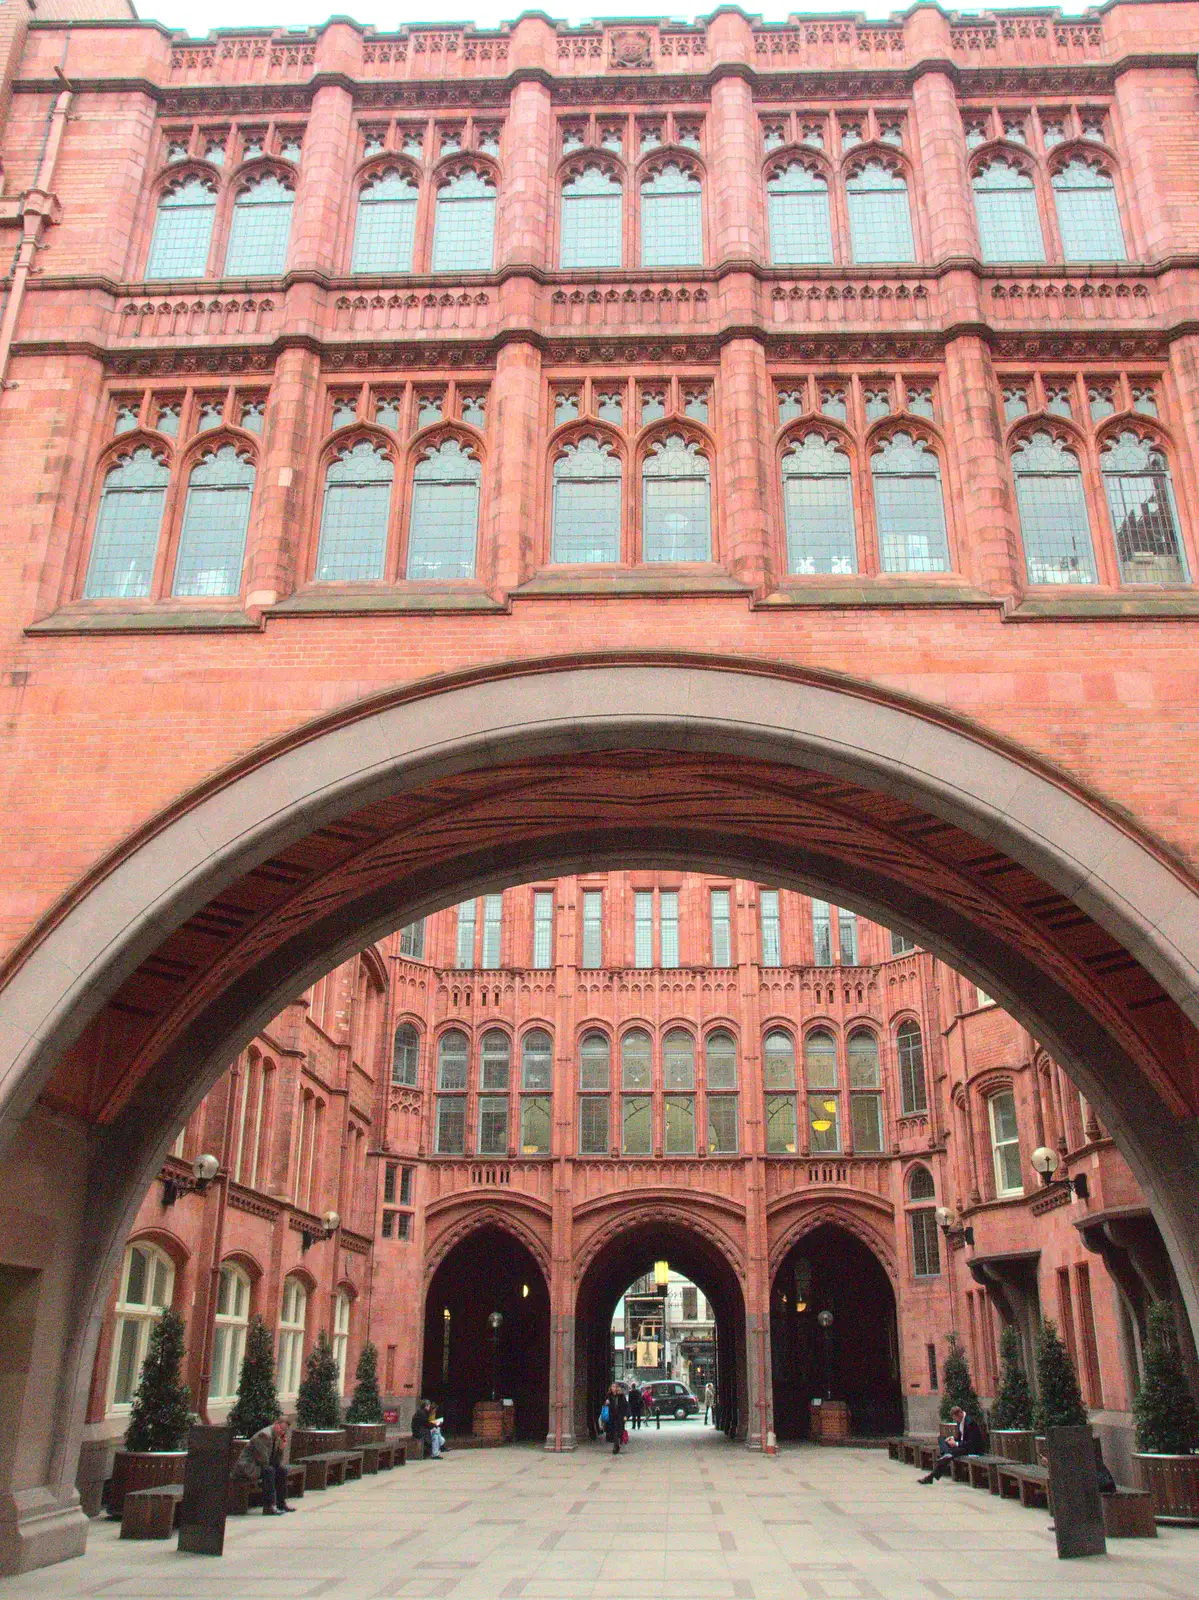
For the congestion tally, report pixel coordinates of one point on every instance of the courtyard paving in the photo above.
(682, 1515)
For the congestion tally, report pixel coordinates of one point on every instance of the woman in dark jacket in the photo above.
(618, 1413)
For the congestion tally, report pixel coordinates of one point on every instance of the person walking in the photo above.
(651, 1407)
(636, 1406)
(262, 1458)
(709, 1400)
(618, 1415)
(966, 1440)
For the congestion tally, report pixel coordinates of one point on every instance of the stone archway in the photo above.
(122, 1007)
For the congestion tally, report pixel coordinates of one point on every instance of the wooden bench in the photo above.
(1030, 1485)
(247, 1492)
(332, 1467)
(983, 1472)
(1128, 1514)
(151, 1513)
(378, 1457)
(928, 1454)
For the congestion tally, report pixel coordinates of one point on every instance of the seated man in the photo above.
(262, 1458)
(966, 1440)
(421, 1429)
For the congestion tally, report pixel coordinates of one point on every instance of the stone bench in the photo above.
(1030, 1485)
(332, 1467)
(151, 1513)
(1128, 1514)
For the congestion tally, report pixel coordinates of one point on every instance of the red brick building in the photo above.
(454, 458)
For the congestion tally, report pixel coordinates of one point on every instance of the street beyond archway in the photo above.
(680, 1514)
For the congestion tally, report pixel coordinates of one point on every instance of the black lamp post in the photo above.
(495, 1322)
(825, 1320)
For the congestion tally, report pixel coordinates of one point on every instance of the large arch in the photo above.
(124, 1005)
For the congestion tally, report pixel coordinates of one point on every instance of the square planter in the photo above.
(1014, 1444)
(363, 1433)
(1173, 1484)
(142, 1469)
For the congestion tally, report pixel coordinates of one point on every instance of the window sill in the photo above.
(340, 602)
(673, 581)
(90, 617)
(1165, 604)
(875, 592)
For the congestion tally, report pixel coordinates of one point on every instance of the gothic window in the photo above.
(1052, 504)
(405, 1056)
(820, 1059)
(587, 494)
(493, 914)
(1088, 216)
(909, 1043)
(593, 928)
(865, 1101)
(353, 540)
(341, 1336)
(668, 927)
(636, 1080)
(676, 502)
(721, 1057)
(230, 1324)
(822, 934)
(678, 1072)
(671, 219)
(721, 1072)
(820, 1073)
(147, 1283)
(127, 527)
(594, 1069)
(386, 225)
(778, 1077)
(926, 1246)
(880, 221)
(260, 230)
(212, 542)
(1140, 501)
(453, 1058)
(1009, 226)
(1005, 1143)
(495, 1056)
(464, 227)
(543, 928)
(183, 231)
(921, 1185)
(908, 507)
(800, 230)
(636, 1060)
(679, 1118)
(818, 507)
(591, 220)
(636, 1124)
(444, 521)
(537, 1062)
(722, 930)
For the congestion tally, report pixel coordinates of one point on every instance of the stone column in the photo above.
(324, 197)
(938, 139)
(524, 223)
(759, 1430)
(736, 205)
(986, 521)
(746, 409)
(274, 550)
(516, 466)
(561, 1434)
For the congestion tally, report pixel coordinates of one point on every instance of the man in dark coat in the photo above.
(421, 1430)
(618, 1415)
(966, 1440)
(262, 1458)
(636, 1406)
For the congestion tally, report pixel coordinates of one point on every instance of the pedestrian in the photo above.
(436, 1432)
(966, 1440)
(651, 1407)
(421, 1429)
(618, 1414)
(709, 1400)
(636, 1406)
(262, 1458)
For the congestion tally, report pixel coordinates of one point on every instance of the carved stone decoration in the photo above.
(490, 1216)
(692, 1218)
(632, 47)
(838, 1214)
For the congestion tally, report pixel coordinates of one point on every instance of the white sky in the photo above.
(199, 16)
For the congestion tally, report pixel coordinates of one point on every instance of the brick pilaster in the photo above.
(745, 435)
(985, 510)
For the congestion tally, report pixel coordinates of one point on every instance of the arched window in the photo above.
(921, 1185)
(908, 506)
(820, 1059)
(147, 1283)
(671, 220)
(861, 1050)
(260, 230)
(880, 221)
(495, 1056)
(443, 525)
(909, 1045)
(636, 1109)
(229, 1331)
(722, 1105)
(536, 1082)
(212, 542)
(677, 502)
(1088, 216)
(865, 1102)
(127, 527)
(453, 1058)
(1005, 1143)
(636, 1060)
(678, 1072)
(354, 517)
(594, 1077)
(591, 220)
(293, 1314)
(537, 1061)
(453, 1061)
(820, 1072)
(818, 505)
(464, 227)
(778, 1058)
(721, 1062)
(341, 1336)
(1009, 225)
(1140, 500)
(183, 231)
(778, 1076)
(797, 202)
(587, 488)
(1054, 523)
(385, 228)
(405, 1056)
(926, 1246)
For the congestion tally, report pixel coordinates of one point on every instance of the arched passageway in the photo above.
(641, 1239)
(486, 1272)
(831, 1270)
(122, 1007)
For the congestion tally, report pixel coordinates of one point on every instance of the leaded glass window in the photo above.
(721, 1052)
(847, 936)
(676, 502)
(800, 230)
(444, 522)
(591, 220)
(493, 1125)
(464, 227)
(822, 934)
(880, 221)
(908, 507)
(636, 1060)
(637, 1124)
(820, 1059)
(1052, 504)
(1009, 225)
(405, 1056)
(353, 541)
(1140, 499)
(778, 1060)
(679, 1116)
(921, 1185)
(1015, 402)
(260, 230)
(453, 1059)
(909, 1045)
(722, 1124)
(594, 1059)
(926, 1247)
(818, 507)
(678, 1060)
(1088, 216)
(668, 928)
(781, 1135)
(212, 541)
(537, 1061)
(587, 491)
(671, 219)
(861, 1052)
(125, 542)
(386, 224)
(768, 908)
(183, 231)
(643, 928)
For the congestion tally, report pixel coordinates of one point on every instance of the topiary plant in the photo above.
(1059, 1401)
(365, 1404)
(318, 1404)
(257, 1404)
(1013, 1403)
(956, 1387)
(1167, 1420)
(161, 1408)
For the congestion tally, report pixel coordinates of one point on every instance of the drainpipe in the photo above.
(39, 206)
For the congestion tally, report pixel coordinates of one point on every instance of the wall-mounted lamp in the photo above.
(1046, 1162)
(524, 1291)
(204, 1170)
(952, 1228)
(661, 1273)
(330, 1223)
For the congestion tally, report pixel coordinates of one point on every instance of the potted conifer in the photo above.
(1167, 1425)
(364, 1418)
(956, 1387)
(154, 1451)
(257, 1403)
(318, 1404)
(1011, 1416)
(1059, 1399)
